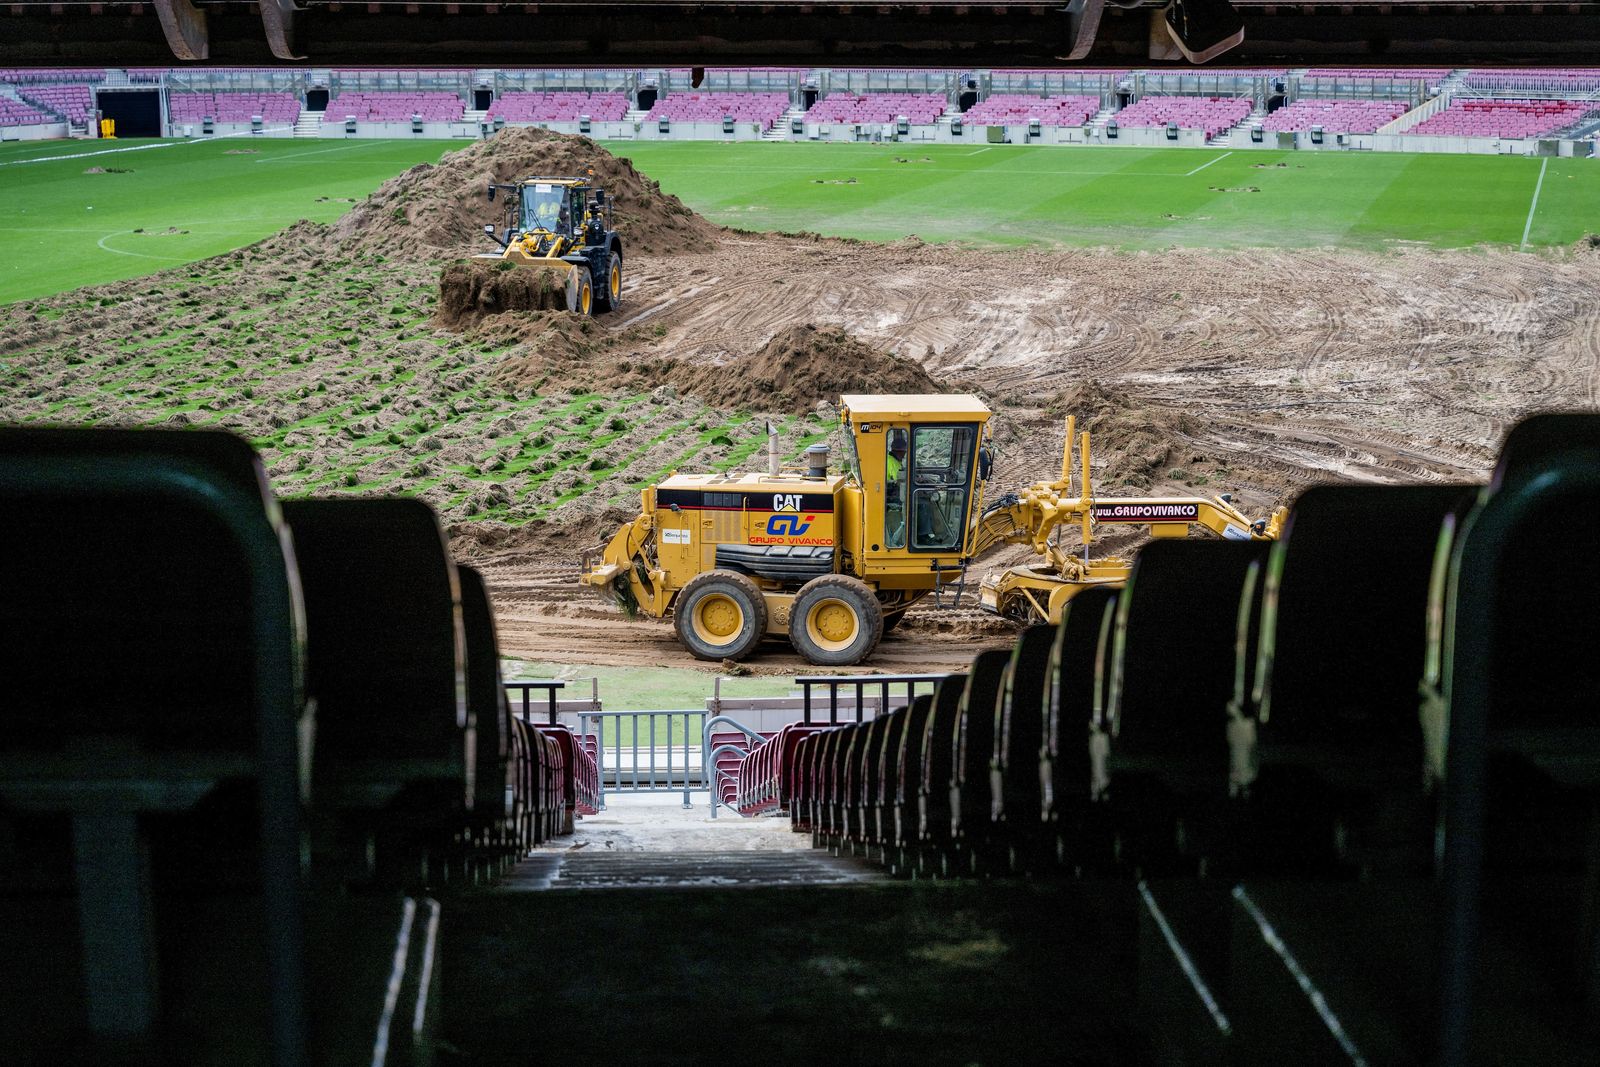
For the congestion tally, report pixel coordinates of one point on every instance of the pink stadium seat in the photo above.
(17, 113)
(1212, 114)
(234, 107)
(1572, 80)
(1337, 116)
(762, 108)
(52, 75)
(1006, 109)
(396, 107)
(559, 107)
(921, 109)
(74, 101)
(1503, 118)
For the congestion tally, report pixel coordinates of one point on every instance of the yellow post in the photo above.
(1066, 456)
(1085, 500)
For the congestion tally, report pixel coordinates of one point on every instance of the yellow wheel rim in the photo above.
(717, 619)
(585, 295)
(832, 624)
(616, 281)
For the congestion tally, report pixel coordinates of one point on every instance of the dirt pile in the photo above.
(1139, 443)
(470, 290)
(434, 210)
(801, 365)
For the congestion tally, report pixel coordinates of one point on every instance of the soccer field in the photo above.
(156, 204)
(1129, 197)
(88, 212)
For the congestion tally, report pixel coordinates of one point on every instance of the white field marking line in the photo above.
(1535, 205)
(397, 973)
(1203, 166)
(320, 151)
(131, 148)
(980, 150)
(1185, 963)
(1318, 1002)
(141, 255)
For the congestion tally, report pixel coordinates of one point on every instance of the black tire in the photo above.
(720, 615)
(608, 297)
(836, 621)
(585, 293)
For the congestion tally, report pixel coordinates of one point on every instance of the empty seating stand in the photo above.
(158, 561)
(1016, 800)
(971, 848)
(386, 668)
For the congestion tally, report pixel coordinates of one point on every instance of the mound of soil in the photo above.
(1140, 443)
(801, 365)
(472, 289)
(443, 208)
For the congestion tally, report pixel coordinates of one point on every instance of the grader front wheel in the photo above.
(836, 621)
(720, 615)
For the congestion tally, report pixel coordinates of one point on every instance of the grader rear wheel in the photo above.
(720, 615)
(836, 621)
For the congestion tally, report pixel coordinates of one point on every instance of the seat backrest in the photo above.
(1071, 696)
(938, 744)
(387, 655)
(155, 564)
(1172, 650)
(907, 772)
(974, 725)
(888, 774)
(486, 696)
(1021, 720)
(1343, 638)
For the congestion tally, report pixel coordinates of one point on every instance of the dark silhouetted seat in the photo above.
(1166, 708)
(150, 738)
(492, 833)
(387, 669)
(1065, 770)
(937, 765)
(1343, 643)
(1015, 800)
(974, 747)
(888, 783)
(903, 765)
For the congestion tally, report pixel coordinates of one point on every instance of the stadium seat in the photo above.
(887, 779)
(491, 833)
(937, 767)
(156, 561)
(903, 768)
(1339, 748)
(972, 843)
(1074, 839)
(1165, 712)
(1015, 797)
(386, 666)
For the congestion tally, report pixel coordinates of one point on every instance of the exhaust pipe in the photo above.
(772, 450)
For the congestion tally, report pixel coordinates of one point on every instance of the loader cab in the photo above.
(918, 461)
(553, 206)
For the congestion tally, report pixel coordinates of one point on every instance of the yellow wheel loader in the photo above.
(829, 561)
(564, 225)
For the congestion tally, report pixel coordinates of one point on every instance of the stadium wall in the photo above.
(43, 132)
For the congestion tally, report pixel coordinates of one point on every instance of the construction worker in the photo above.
(894, 494)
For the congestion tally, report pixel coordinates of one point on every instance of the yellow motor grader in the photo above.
(831, 561)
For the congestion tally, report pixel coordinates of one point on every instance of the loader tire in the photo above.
(720, 615)
(836, 621)
(583, 293)
(609, 296)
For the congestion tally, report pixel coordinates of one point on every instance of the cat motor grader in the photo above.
(830, 561)
(562, 224)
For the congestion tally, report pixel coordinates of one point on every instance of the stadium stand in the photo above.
(396, 107)
(1341, 116)
(1502, 118)
(762, 108)
(53, 76)
(1005, 109)
(559, 107)
(1571, 81)
(17, 113)
(919, 108)
(234, 107)
(76, 102)
(1213, 114)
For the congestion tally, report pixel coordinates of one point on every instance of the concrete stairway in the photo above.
(780, 129)
(309, 124)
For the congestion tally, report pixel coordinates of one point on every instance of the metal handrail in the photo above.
(860, 682)
(526, 686)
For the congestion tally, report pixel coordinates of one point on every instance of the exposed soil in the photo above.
(473, 289)
(1255, 373)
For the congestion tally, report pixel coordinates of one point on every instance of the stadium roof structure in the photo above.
(942, 33)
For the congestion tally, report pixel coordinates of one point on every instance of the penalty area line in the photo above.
(1535, 205)
(1203, 166)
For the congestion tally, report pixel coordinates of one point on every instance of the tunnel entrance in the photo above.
(137, 112)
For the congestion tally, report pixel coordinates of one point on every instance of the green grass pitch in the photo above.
(175, 202)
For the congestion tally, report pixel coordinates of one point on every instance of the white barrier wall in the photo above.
(335, 127)
(43, 132)
(229, 129)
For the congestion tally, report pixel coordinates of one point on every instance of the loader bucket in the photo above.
(472, 289)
